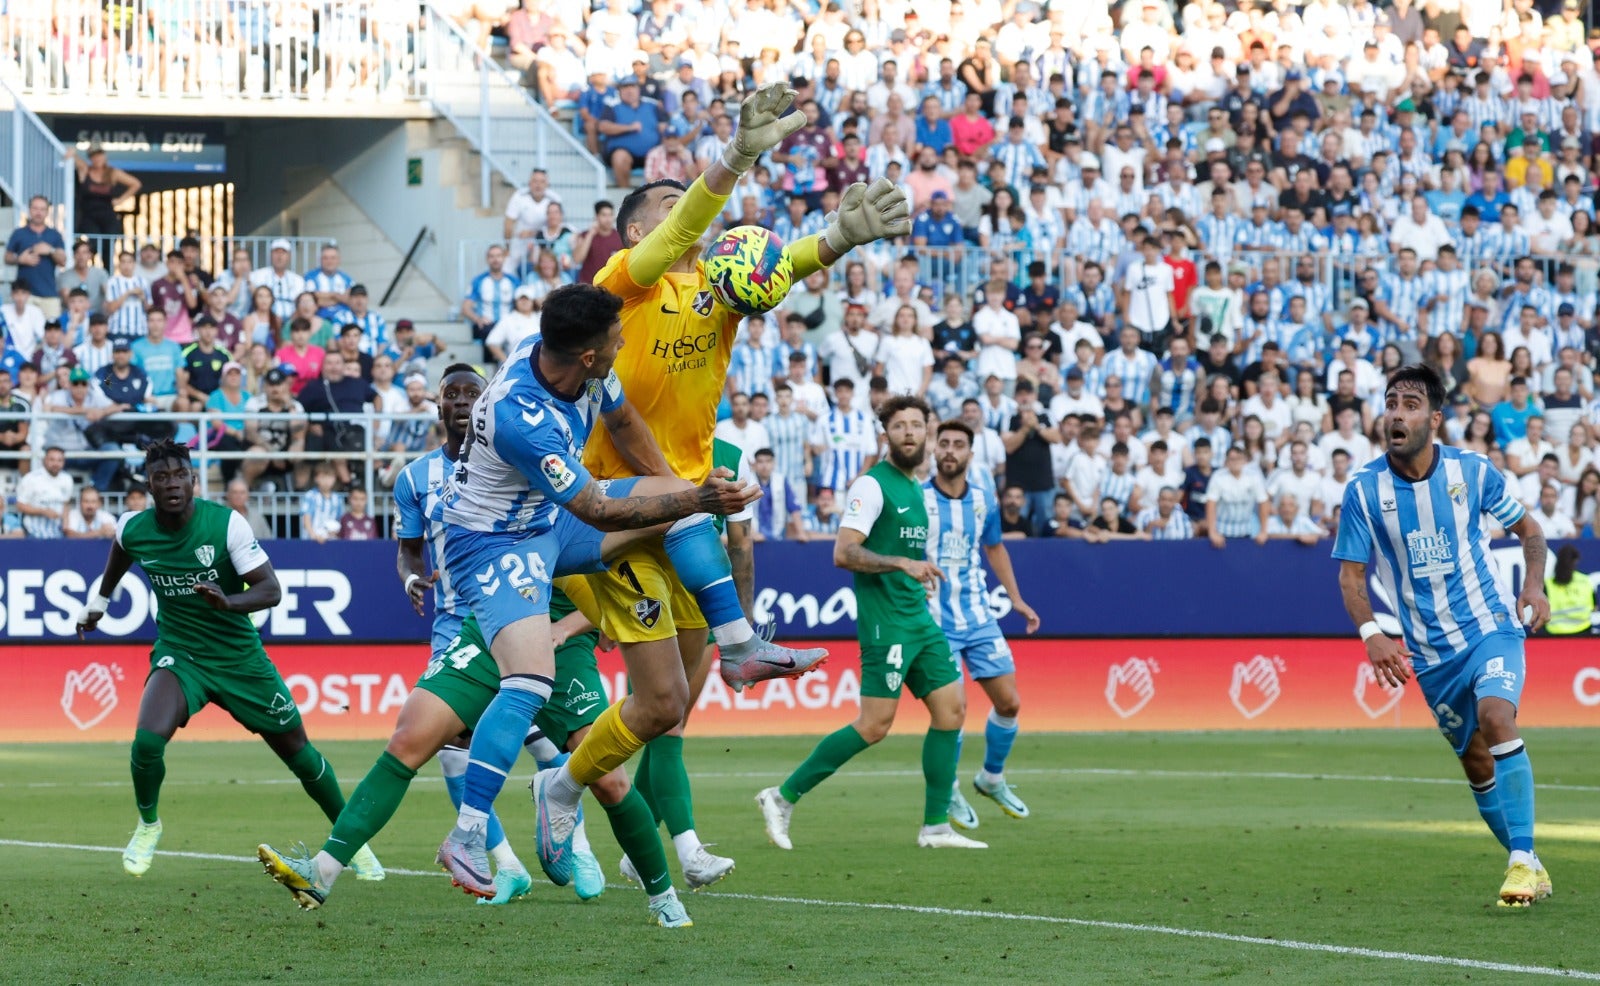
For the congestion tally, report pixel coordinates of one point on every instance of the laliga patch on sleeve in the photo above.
(555, 469)
(612, 386)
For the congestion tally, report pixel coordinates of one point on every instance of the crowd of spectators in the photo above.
(87, 355)
(1163, 253)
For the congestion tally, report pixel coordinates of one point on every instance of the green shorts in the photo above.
(466, 678)
(250, 690)
(923, 663)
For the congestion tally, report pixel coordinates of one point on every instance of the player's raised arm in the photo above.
(762, 126)
(604, 513)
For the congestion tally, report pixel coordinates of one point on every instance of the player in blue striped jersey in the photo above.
(962, 518)
(416, 492)
(1423, 514)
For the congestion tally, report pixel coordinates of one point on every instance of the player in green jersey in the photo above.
(883, 540)
(450, 697)
(662, 777)
(210, 574)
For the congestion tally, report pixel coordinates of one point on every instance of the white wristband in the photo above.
(1369, 630)
(413, 577)
(98, 603)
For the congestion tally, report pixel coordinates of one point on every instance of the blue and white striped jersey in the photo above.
(337, 283)
(1118, 486)
(491, 296)
(750, 369)
(1430, 543)
(1178, 527)
(1178, 386)
(524, 454)
(1448, 291)
(788, 433)
(780, 358)
(127, 322)
(847, 438)
(1135, 372)
(957, 529)
(416, 492)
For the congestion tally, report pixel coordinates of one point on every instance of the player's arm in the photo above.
(865, 498)
(261, 582)
(1534, 551)
(742, 557)
(409, 529)
(1000, 562)
(117, 564)
(634, 441)
(716, 495)
(1389, 657)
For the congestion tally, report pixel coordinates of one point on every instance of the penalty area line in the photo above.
(1290, 944)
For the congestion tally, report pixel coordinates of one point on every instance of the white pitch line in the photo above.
(1244, 775)
(955, 912)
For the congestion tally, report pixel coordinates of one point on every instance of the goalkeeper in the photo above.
(674, 359)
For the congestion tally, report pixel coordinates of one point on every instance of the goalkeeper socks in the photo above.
(609, 745)
(317, 777)
(833, 752)
(1513, 776)
(672, 802)
(453, 763)
(697, 554)
(543, 752)
(635, 830)
(372, 804)
(938, 774)
(1488, 800)
(149, 769)
(496, 740)
(999, 733)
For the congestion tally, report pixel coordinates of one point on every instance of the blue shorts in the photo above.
(1496, 668)
(984, 651)
(445, 628)
(505, 577)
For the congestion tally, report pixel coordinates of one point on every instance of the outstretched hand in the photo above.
(762, 126)
(868, 213)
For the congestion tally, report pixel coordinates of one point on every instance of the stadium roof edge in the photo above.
(210, 108)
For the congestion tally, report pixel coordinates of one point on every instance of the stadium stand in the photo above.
(1157, 246)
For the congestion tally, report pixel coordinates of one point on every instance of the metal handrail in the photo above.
(34, 163)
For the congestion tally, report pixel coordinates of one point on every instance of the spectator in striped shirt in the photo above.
(321, 507)
(751, 361)
(94, 353)
(782, 501)
(821, 518)
(1164, 521)
(331, 286)
(127, 294)
(787, 431)
(1289, 524)
(286, 285)
(490, 294)
(845, 439)
(1237, 504)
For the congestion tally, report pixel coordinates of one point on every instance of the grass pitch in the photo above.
(1249, 857)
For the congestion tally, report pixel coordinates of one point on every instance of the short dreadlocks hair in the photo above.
(163, 449)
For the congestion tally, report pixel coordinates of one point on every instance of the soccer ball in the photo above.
(749, 271)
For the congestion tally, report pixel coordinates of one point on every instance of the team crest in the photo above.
(702, 303)
(1458, 492)
(530, 593)
(206, 553)
(648, 611)
(892, 679)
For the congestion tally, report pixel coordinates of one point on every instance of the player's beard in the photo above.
(905, 462)
(951, 469)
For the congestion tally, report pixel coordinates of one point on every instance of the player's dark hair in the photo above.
(577, 317)
(902, 402)
(956, 424)
(163, 450)
(455, 368)
(1420, 375)
(635, 201)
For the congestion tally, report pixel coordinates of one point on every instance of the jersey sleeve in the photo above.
(122, 522)
(1355, 530)
(408, 507)
(863, 504)
(745, 478)
(1498, 500)
(611, 396)
(534, 445)
(630, 272)
(991, 519)
(243, 549)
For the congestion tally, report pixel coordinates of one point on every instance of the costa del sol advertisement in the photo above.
(65, 693)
